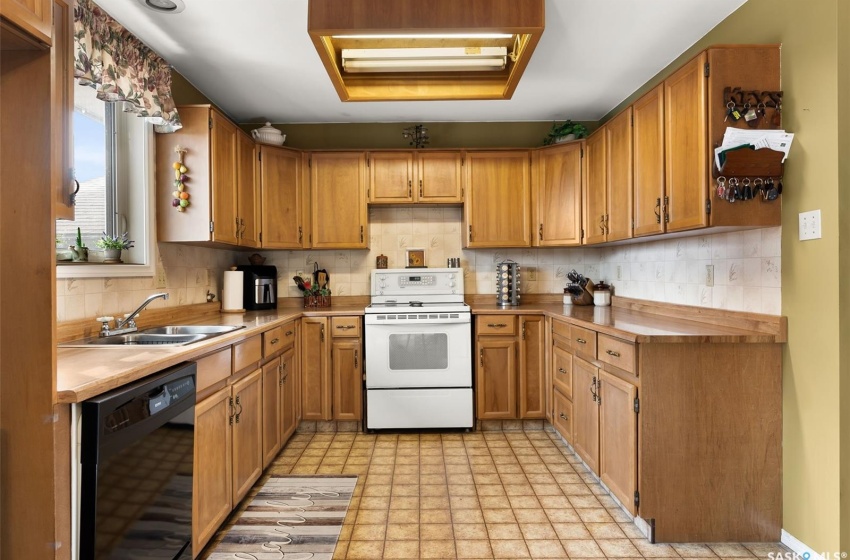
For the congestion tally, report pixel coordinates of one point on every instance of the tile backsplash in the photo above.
(747, 267)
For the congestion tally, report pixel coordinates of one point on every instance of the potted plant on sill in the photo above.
(112, 246)
(79, 251)
(567, 130)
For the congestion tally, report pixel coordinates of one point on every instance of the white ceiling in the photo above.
(255, 60)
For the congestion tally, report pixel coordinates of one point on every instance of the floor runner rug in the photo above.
(292, 517)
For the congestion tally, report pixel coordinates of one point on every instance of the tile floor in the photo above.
(477, 495)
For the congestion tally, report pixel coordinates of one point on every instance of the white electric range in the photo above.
(418, 350)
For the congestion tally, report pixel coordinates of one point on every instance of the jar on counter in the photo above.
(601, 294)
(568, 297)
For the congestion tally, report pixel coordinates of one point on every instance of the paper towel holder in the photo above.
(224, 289)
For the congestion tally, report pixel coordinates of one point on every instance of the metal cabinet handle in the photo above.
(564, 416)
(657, 210)
(481, 357)
(288, 333)
(562, 370)
(612, 353)
(322, 333)
(237, 227)
(420, 189)
(239, 404)
(73, 197)
(346, 327)
(409, 188)
(274, 341)
(470, 232)
(602, 223)
(581, 341)
(497, 325)
(355, 359)
(523, 330)
(232, 411)
(540, 232)
(361, 234)
(300, 234)
(593, 389)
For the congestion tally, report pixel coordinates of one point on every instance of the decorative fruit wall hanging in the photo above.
(181, 197)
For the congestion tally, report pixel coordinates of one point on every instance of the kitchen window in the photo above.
(113, 162)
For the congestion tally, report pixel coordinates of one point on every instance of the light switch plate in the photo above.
(810, 225)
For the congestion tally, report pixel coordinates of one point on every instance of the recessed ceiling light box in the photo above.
(415, 50)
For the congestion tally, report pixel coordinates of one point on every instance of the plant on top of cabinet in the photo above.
(567, 130)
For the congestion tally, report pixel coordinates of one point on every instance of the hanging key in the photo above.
(777, 116)
(747, 193)
(721, 187)
(758, 185)
(732, 190)
(732, 111)
(760, 110)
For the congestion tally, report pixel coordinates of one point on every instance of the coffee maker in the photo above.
(259, 287)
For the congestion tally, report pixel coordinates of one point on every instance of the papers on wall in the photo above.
(737, 138)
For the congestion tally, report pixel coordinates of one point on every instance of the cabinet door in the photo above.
(33, 16)
(496, 378)
(496, 209)
(439, 177)
(280, 180)
(586, 413)
(212, 498)
(338, 196)
(618, 438)
(563, 417)
(562, 370)
(347, 365)
(62, 109)
(390, 177)
(532, 372)
(686, 149)
(595, 189)
(557, 195)
(248, 191)
(247, 433)
(223, 179)
(315, 377)
(649, 163)
(272, 393)
(618, 147)
(288, 392)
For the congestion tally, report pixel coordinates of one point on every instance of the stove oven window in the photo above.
(419, 351)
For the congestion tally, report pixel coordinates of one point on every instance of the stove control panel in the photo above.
(406, 283)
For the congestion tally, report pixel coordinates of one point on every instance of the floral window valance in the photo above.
(122, 68)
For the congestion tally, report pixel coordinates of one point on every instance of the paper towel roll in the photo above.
(231, 293)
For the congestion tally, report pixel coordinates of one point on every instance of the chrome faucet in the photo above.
(128, 325)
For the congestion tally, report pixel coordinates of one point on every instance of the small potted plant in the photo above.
(79, 250)
(62, 254)
(112, 246)
(567, 130)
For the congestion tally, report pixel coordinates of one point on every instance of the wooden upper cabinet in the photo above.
(558, 175)
(685, 135)
(497, 201)
(390, 177)
(282, 198)
(649, 189)
(439, 177)
(247, 191)
(62, 108)
(618, 148)
(223, 179)
(33, 16)
(338, 200)
(595, 189)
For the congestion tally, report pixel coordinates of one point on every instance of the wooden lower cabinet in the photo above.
(332, 368)
(272, 424)
(212, 499)
(247, 433)
(586, 412)
(618, 437)
(562, 418)
(496, 378)
(288, 394)
(532, 369)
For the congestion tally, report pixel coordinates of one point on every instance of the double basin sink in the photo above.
(171, 335)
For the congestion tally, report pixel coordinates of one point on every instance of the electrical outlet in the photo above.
(709, 275)
(810, 225)
(619, 272)
(299, 273)
(160, 278)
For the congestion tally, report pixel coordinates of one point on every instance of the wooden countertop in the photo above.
(83, 373)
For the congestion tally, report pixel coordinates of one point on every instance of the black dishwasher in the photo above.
(137, 452)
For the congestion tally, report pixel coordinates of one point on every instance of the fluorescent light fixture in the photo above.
(428, 36)
(454, 59)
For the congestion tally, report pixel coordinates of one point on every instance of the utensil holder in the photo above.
(586, 297)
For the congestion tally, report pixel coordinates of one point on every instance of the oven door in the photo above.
(418, 354)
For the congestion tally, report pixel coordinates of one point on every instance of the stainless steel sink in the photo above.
(191, 329)
(171, 335)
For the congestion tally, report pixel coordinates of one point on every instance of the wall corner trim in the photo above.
(799, 547)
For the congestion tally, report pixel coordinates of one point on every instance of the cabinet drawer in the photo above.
(562, 370)
(345, 326)
(288, 331)
(213, 368)
(563, 416)
(273, 341)
(561, 329)
(618, 353)
(495, 324)
(247, 352)
(583, 341)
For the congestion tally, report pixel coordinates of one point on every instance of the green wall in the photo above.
(808, 32)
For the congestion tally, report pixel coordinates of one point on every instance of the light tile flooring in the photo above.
(477, 495)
